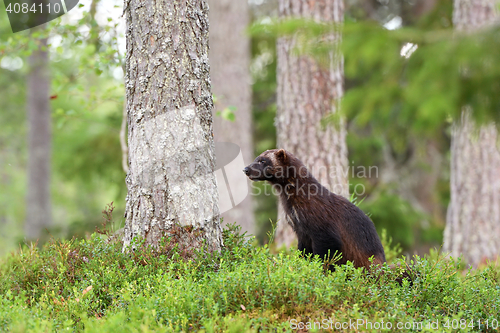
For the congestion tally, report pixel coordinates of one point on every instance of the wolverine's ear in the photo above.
(281, 156)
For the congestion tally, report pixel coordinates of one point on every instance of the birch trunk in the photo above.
(307, 93)
(38, 204)
(169, 106)
(231, 82)
(473, 217)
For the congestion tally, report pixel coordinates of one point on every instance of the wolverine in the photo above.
(326, 224)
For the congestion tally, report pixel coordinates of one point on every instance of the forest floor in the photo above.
(90, 285)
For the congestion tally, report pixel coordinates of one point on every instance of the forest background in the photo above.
(407, 196)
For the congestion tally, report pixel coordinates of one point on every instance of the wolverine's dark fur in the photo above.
(325, 223)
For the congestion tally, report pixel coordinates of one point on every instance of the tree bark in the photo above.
(171, 184)
(307, 93)
(473, 218)
(231, 82)
(38, 204)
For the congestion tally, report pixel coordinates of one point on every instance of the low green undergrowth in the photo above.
(90, 285)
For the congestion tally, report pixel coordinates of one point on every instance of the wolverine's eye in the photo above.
(262, 161)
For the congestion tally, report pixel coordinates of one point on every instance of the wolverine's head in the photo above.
(271, 165)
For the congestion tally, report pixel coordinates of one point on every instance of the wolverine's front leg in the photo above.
(305, 246)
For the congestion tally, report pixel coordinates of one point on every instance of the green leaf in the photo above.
(227, 113)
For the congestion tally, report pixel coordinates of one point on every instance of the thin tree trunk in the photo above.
(306, 94)
(38, 204)
(169, 102)
(231, 81)
(473, 218)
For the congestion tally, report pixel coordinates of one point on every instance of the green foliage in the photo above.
(420, 93)
(390, 212)
(91, 285)
(419, 90)
(392, 252)
(227, 113)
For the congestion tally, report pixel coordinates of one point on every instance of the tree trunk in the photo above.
(473, 218)
(171, 182)
(307, 93)
(38, 205)
(231, 81)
